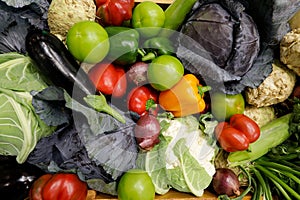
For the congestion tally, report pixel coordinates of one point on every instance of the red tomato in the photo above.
(231, 139)
(109, 79)
(246, 125)
(58, 186)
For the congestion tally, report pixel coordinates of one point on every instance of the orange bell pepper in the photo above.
(185, 98)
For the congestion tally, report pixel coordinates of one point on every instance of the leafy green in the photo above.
(182, 160)
(21, 128)
(18, 73)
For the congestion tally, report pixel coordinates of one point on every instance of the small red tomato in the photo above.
(232, 140)
(229, 138)
(109, 79)
(246, 125)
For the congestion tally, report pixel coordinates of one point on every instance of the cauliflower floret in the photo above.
(290, 50)
(276, 88)
(62, 15)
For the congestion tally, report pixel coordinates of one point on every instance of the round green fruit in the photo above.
(136, 184)
(164, 72)
(88, 41)
(223, 106)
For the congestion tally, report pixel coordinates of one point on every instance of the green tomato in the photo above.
(88, 41)
(223, 106)
(136, 184)
(164, 72)
(148, 18)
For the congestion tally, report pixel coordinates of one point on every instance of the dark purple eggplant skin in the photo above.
(57, 64)
(16, 179)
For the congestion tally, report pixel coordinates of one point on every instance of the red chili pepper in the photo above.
(245, 125)
(114, 12)
(109, 79)
(58, 186)
(141, 99)
(231, 139)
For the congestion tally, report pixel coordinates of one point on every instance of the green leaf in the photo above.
(21, 128)
(195, 176)
(18, 73)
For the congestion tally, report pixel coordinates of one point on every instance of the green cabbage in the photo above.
(20, 127)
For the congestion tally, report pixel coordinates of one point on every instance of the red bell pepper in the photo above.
(237, 134)
(114, 12)
(109, 79)
(142, 99)
(58, 186)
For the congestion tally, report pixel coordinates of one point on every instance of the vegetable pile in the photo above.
(192, 96)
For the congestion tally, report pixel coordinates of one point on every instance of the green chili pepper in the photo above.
(124, 45)
(161, 45)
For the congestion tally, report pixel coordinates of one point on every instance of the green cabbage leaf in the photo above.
(20, 127)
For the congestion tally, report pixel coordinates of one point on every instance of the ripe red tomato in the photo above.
(231, 139)
(246, 125)
(109, 79)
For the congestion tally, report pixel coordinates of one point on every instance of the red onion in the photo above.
(225, 181)
(137, 73)
(147, 131)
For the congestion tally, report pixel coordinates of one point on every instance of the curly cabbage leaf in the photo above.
(271, 17)
(16, 18)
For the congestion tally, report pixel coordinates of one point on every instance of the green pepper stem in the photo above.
(203, 89)
(148, 56)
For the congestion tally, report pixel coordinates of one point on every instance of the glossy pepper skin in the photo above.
(185, 98)
(124, 45)
(58, 186)
(140, 99)
(114, 12)
(109, 79)
(231, 139)
(160, 45)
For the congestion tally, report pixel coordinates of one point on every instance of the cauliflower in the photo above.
(276, 88)
(262, 115)
(290, 50)
(62, 15)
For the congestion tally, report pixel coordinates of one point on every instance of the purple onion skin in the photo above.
(225, 181)
(137, 73)
(147, 131)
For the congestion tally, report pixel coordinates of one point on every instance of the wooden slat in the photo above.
(171, 195)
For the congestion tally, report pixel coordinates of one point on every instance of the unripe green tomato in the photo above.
(164, 72)
(148, 18)
(223, 106)
(136, 184)
(88, 41)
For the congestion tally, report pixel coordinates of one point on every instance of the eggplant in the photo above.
(16, 179)
(57, 64)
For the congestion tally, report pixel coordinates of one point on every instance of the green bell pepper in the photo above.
(124, 45)
(161, 45)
